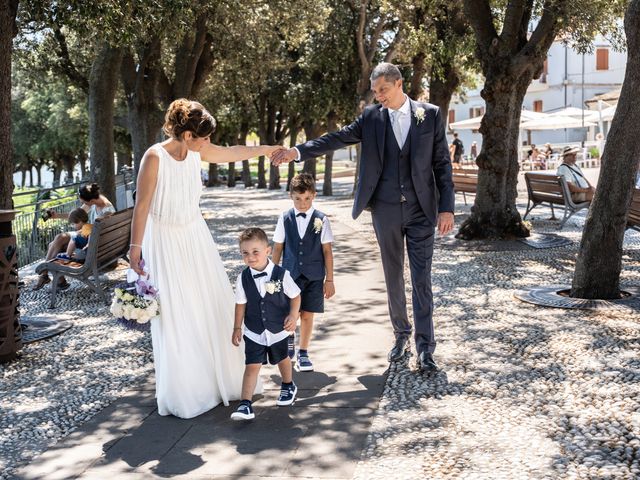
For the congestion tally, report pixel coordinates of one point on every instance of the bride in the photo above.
(196, 365)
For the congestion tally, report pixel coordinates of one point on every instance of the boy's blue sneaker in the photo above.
(291, 346)
(287, 395)
(63, 256)
(243, 412)
(304, 364)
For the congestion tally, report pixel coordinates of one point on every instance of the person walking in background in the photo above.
(458, 150)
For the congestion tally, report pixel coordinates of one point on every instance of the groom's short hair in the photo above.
(389, 71)
(303, 182)
(253, 233)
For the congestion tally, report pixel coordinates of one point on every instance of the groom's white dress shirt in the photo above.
(401, 116)
(326, 236)
(290, 289)
(404, 121)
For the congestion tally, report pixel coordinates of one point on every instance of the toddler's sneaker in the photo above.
(243, 412)
(291, 345)
(304, 364)
(287, 395)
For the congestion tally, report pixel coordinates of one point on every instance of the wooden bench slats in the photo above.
(465, 181)
(633, 217)
(544, 188)
(108, 242)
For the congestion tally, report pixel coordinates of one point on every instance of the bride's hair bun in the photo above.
(188, 116)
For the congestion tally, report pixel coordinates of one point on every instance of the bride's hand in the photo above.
(135, 257)
(272, 149)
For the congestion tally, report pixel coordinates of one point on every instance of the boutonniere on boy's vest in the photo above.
(317, 225)
(274, 286)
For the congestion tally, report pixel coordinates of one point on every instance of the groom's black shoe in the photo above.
(426, 363)
(398, 350)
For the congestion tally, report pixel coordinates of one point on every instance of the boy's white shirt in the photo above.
(289, 288)
(326, 235)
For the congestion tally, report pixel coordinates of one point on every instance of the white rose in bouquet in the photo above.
(144, 318)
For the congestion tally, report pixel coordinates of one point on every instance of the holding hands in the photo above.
(283, 155)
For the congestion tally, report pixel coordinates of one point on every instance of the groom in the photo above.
(405, 180)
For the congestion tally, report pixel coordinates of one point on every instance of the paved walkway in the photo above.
(321, 436)
(524, 392)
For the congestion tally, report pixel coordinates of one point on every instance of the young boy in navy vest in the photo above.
(268, 304)
(304, 235)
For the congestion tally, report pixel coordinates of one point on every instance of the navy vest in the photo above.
(395, 180)
(303, 256)
(268, 312)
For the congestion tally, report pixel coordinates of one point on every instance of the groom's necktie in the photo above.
(397, 129)
(261, 274)
(302, 214)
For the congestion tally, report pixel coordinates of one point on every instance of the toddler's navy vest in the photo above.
(303, 256)
(268, 312)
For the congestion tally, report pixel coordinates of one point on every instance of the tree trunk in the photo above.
(69, 162)
(293, 141)
(494, 214)
(123, 160)
(57, 170)
(246, 174)
(140, 79)
(312, 129)
(441, 89)
(599, 262)
(31, 177)
(332, 126)
(103, 82)
(23, 178)
(214, 175)
(82, 158)
(8, 30)
(39, 174)
(418, 72)
(231, 178)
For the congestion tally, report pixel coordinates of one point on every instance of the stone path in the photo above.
(525, 392)
(321, 436)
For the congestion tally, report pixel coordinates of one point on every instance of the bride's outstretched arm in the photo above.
(146, 186)
(216, 154)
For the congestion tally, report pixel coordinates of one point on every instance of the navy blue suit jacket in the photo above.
(430, 161)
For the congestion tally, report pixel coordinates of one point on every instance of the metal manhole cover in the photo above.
(535, 241)
(39, 328)
(551, 297)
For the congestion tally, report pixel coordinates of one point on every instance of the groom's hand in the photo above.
(445, 223)
(284, 155)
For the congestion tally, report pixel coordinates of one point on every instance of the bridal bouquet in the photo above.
(135, 303)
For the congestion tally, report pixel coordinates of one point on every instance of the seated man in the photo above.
(580, 188)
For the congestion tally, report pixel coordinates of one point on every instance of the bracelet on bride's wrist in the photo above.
(134, 245)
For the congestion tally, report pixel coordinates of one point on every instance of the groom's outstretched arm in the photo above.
(349, 135)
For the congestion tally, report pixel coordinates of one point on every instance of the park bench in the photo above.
(465, 180)
(545, 188)
(109, 241)
(633, 217)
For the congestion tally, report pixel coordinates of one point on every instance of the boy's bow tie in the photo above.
(261, 274)
(302, 214)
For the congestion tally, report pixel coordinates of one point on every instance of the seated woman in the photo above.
(96, 205)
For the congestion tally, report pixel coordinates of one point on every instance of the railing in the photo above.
(33, 233)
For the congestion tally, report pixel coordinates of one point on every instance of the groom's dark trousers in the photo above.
(404, 188)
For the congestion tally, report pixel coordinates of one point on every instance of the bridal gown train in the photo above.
(196, 365)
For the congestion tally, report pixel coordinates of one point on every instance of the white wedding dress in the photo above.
(197, 367)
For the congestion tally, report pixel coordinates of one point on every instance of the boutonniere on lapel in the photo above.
(317, 225)
(419, 114)
(273, 286)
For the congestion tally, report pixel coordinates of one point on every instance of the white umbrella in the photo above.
(571, 112)
(555, 123)
(474, 123)
(468, 124)
(607, 114)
